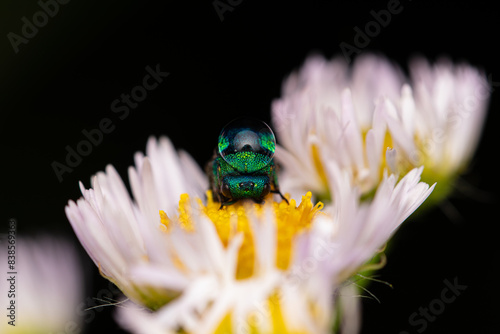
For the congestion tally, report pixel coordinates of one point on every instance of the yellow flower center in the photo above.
(254, 320)
(231, 220)
(290, 220)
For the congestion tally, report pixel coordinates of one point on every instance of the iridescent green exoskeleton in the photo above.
(243, 165)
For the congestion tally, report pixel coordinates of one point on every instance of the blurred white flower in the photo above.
(48, 287)
(370, 118)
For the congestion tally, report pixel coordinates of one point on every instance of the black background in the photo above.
(65, 78)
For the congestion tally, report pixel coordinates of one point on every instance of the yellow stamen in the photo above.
(165, 222)
(234, 219)
(271, 311)
(388, 143)
(185, 213)
(290, 220)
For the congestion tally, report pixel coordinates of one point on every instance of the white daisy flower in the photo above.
(118, 232)
(45, 290)
(271, 268)
(369, 118)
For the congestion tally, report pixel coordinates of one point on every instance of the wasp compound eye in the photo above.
(247, 144)
(266, 189)
(226, 191)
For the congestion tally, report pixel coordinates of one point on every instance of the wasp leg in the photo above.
(222, 204)
(274, 181)
(281, 195)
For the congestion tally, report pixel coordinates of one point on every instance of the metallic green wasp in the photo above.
(243, 165)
